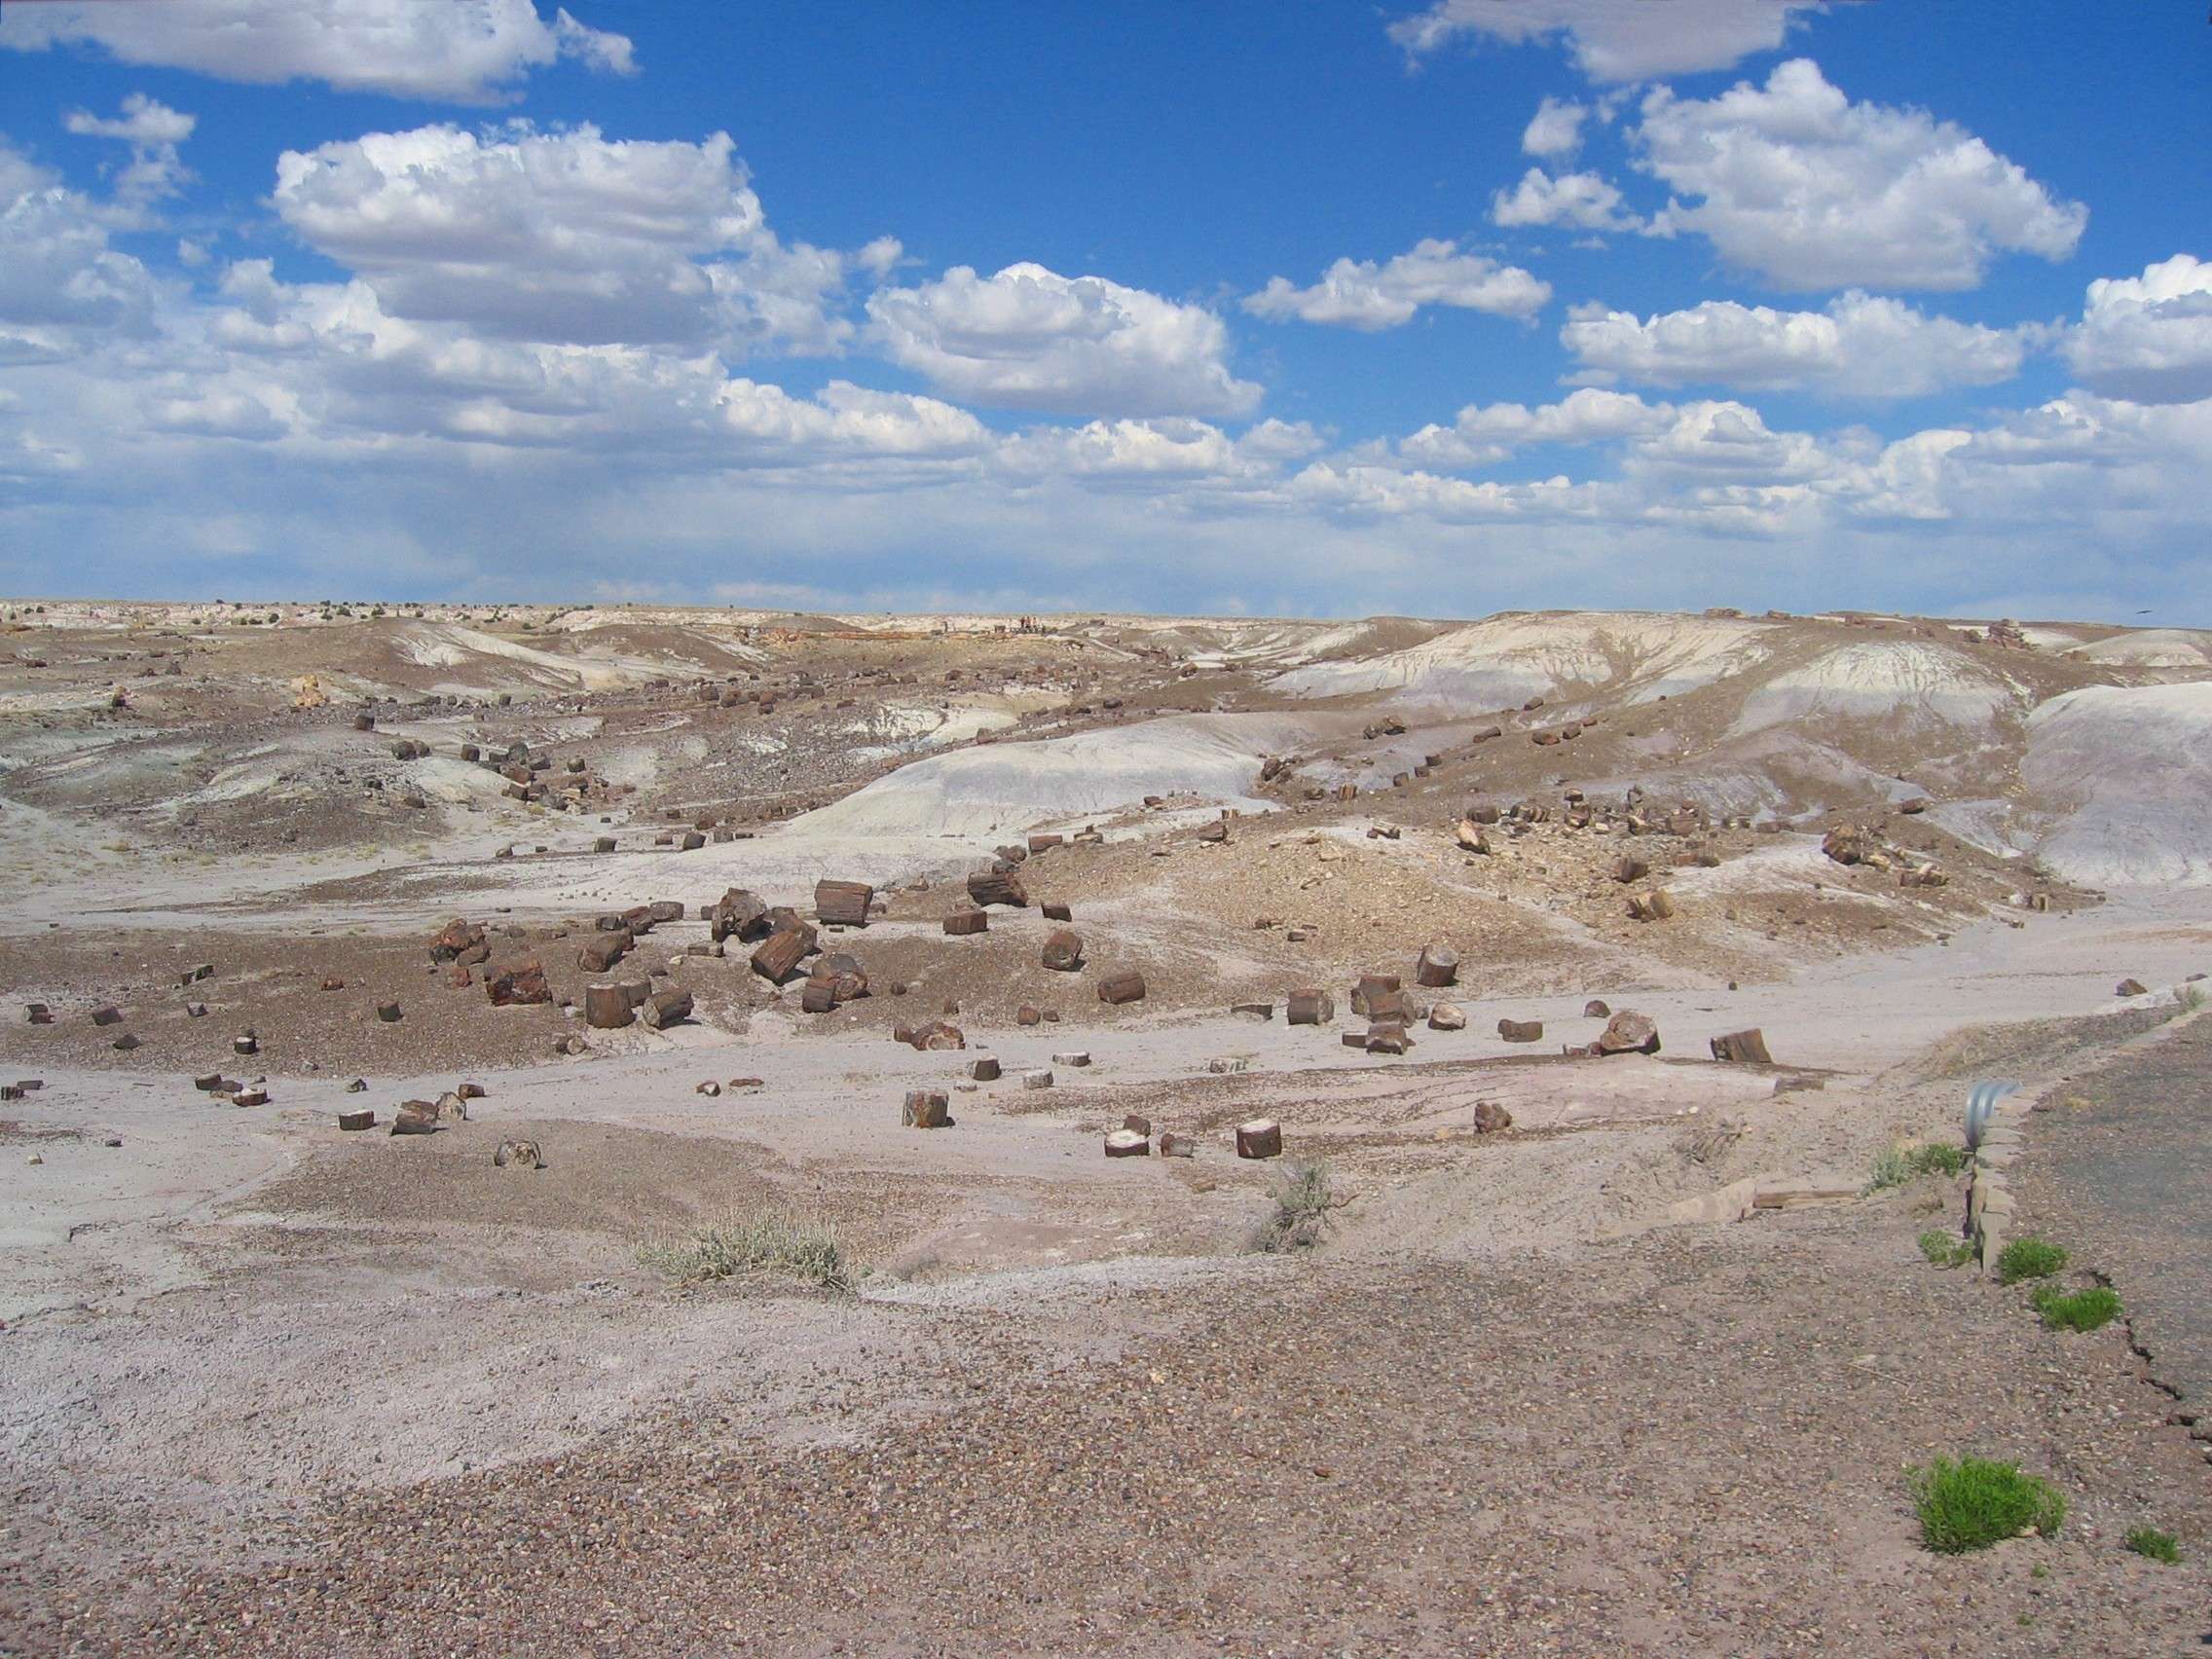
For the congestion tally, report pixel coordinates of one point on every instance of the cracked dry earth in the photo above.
(1679, 1443)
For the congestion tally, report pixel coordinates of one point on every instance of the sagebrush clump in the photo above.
(1300, 1219)
(754, 1241)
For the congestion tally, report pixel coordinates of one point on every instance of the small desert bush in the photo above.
(2077, 1310)
(2156, 1546)
(2029, 1258)
(1301, 1216)
(1974, 1502)
(1902, 1163)
(1945, 1249)
(754, 1243)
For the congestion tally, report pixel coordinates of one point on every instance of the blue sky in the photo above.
(1297, 307)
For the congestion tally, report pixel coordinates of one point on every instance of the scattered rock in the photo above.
(1446, 1016)
(1261, 1137)
(1629, 1033)
(518, 1154)
(415, 1118)
(664, 1008)
(1743, 1047)
(1126, 986)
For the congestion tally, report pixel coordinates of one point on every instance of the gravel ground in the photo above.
(1691, 1442)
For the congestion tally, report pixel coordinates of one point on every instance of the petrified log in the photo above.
(1262, 1137)
(664, 1008)
(1127, 1143)
(1173, 1145)
(998, 887)
(1655, 905)
(1595, 1010)
(938, 1034)
(461, 941)
(1439, 966)
(1126, 986)
(962, 923)
(389, 1012)
(1490, 1116)
(1446, 1016)
(739, 912)
(1368, 987)
(1628, 869)
(1039, 843)
(1521, 1030)
(844, 903)
(1063, 951)
(1846, 845)
(1743, 1047)
(359, 1119)
(415, 1118)
(1217, 830)
(781, 952)
(1056, 913)
(983, 1070)
(602, 951)
(1310, 1008)
(520, 983)
(925, 1109)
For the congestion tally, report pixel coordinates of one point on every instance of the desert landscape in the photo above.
(637, 1130)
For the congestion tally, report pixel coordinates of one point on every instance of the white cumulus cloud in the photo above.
(1797, 185)
(154, 131)
(1029, 338)
(1616, 40)
(1556, 128)
(563, 236)
(1859, 347)
(1365, 295)
(2149, 337)
(1484, 434)
(1575, 200)
(61, 283)
(462, 51)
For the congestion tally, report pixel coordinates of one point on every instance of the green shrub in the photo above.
(765, 1241)
(2077, 1310)
(1301, 1216)
(2158, 1546)
(1902, 1163)
(1974, 1502)
(1945, 1249)
(2029, 1258)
